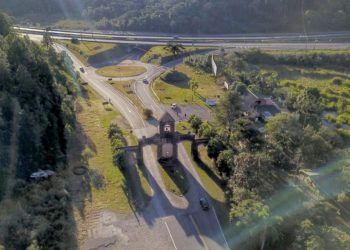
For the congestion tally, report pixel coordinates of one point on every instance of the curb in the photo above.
(154, 93)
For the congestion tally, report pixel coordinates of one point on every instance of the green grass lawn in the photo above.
(183, 127)
(156, 54)
(89, 52)
(94, 120)
(174, 179)
(121, 71)
(180, 92)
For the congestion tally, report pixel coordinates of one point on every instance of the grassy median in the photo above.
(121, 71)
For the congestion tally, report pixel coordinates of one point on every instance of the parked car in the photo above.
(82, 70)
(173, 106)
(42, 174)
(204, 203)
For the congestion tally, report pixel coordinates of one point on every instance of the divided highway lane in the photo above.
(158, 36)
(242, 42)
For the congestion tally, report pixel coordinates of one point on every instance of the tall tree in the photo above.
(194, 86)
(174, 48)
(229, 108)
(5, 24)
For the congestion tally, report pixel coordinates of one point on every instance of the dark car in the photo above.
(204, 203)
(82, 70)
(145, 81)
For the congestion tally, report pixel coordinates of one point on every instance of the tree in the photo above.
(314, 149)
(147, 113)
(195, 122)
(225, 163)
(252, 171)
(284, 133)
(214, 147)
(47, 40)
(241, 88)
(113, 130)
(308, 107)
(75, 40)
(4, 69)
(194, 86)
(174, 48)
(206, 130)
(5, 24)
(229, 108)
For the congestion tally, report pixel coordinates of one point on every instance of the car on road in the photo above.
(173, 106)
(110, 79)
(145, 81)
(204, 203)
(82, 70)
(176, 37)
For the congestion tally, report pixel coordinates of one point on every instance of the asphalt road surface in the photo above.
(290, 42)
(187, 225)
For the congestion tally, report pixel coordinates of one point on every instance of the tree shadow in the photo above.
(174, 170)
(194, 222)
(138, 197)
(208, 170)
(177, 79)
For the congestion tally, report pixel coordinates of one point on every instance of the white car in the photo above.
(173, 106)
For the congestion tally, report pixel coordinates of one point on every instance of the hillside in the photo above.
(36, 116)
(193, 16)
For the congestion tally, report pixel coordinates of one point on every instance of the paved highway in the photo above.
(187, 225)
(317, 41)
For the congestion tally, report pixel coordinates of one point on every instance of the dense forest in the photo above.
(36, 116)
(192, 16)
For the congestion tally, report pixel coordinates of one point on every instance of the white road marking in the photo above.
(223, 235)
(171, 237)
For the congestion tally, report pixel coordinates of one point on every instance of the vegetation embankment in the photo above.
(94, 52)
(121, 71)
(113, 178)
(261, 161)
(36, 212)
(185, 85)
(163, 54)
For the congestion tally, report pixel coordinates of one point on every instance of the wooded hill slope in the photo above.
(190, 16)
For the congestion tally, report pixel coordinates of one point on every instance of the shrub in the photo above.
(337, 81)
(195, 122)
(147, 113)
(75, 41)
